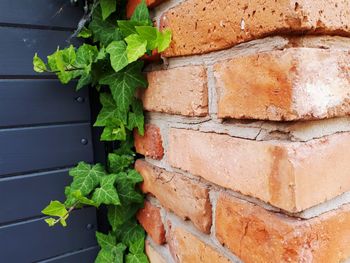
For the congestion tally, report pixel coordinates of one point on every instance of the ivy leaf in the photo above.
(132, 235)
(86, 177)
(107, 193)
(104, 31)
(105, 256)
(56, 208)
(83, 200)
(141, 14)
(119, 215)
(39, 65)
(118, 55)
(127, 27)
(113, 133)
(123, 85)
(86, 55)
(69, 56)
(50, 221)
(163, 40)
(150, 34)
(107, 7)
(136, 118)
(106, 241)
(136, 47)
(119, 163)
(109, 114)
(136, 258)
(84, 80)
(85, 33)
(126, 187)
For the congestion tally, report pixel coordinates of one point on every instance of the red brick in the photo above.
(201, 26)
(181, 195)
(291, 84)
(132, 4)
(258, 236)
(186, 247)
(151, 144)
(180, 91)
(153, 255)
(293, 176)
(151, 220)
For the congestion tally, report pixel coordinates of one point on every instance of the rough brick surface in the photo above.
(180, 91)
(184, 197)
(186, 247)
(151, 220)
(289, 175)
(296, 83)
(201, 26)
(153, 255)
(259, 236)
(151, 144)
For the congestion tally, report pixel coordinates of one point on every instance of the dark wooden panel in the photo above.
(33, 240)
(58, 13)
(37, 148)
(18, 46)
(83, 256)
(25, 102)
(29, 194)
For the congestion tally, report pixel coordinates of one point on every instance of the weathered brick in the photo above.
(291, 84)
(151, 220)
(153, 255)
(293, 176)
(180, 91)
(186, 247)
(151, 144)
(181, 195)
(132, 4)
(259, 236)
(200, 26)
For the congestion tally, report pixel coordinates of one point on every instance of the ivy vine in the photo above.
(109, 61)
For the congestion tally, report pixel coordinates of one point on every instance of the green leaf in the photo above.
(136, 258)
(106, 241)
(105, 256)
(119, 215)
(113, 133)
(127, 27)
(86, 177)
(69, 56)
(107, 193)
(39, 65)
(126, 187)
(108, 7)
(119, 163)
(109, 114)
(132, 235)
(136, 118)
(136, 47)
(83, 200)
(86, 55)
(163, 40)
(118, 55)
(50, 221)
(85, 33)
(104, 31)
(56, 208)
(123, 85)
(150, 34)
(141, 14)
(84, 80)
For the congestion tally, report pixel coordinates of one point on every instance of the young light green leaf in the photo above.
(113, 133)
(85, 33)
(150, 34)
(141, 14)
(50, 221)
(118, 55)
(84, 80)
(83, 200)
(86, 177)
(107, 7)
(136, 47)
(163, 40)
(107, 193)
(39, 65)
(55, 208)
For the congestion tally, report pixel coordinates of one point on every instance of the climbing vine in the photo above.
(109, 61)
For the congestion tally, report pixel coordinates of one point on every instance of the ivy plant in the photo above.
(109, 61)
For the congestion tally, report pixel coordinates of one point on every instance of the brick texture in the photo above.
(151, 144)
(181, 91)
(186, 247)
(153, 255)
(200, 26)
(293, 84)
(259, 236)
(151, 220)
(289, 175)
(184, 197)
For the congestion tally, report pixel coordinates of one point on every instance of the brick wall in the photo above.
(247, 144)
